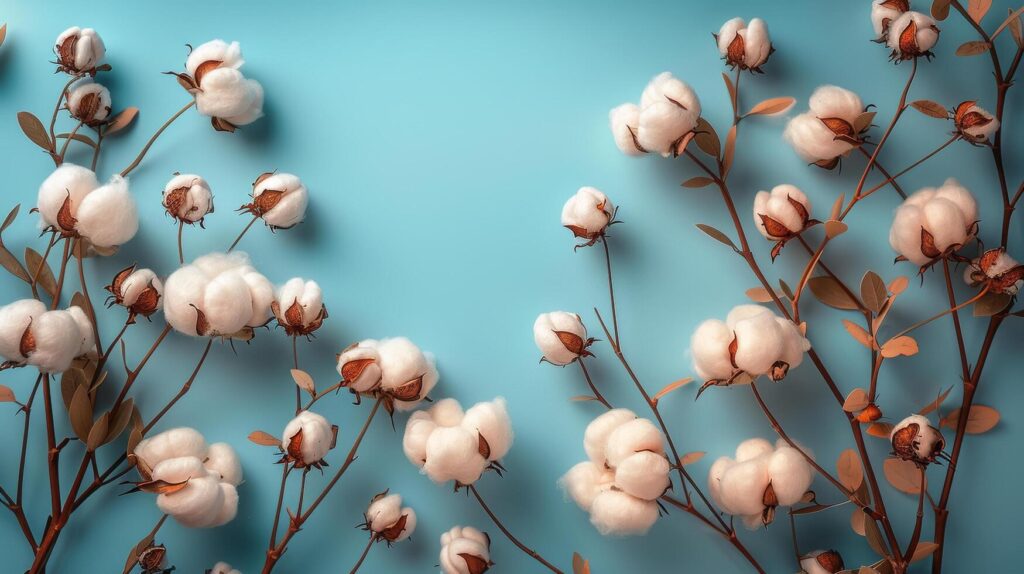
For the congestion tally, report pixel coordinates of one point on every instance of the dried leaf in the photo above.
(980, 419)
(44, 277)
(120, 420)
(671, 387)
(786, 290)
(772, 106)
(898, 285)
(579, 565)
(580, 398)
(849, 470)
(857, 520)
(903, 475)
(978, 8)
(121, 121)
(858, 333)
(691, 457)
(1011, 21)
(730, 150)
(80, 413)
(903, 345)
(133, 557)
(940, 9)
(932, 406)
(990, 304)
(857, 400)
(698, 181)
(12, 265)
(34, 129)
(304, 381)
(873, 291)
(716, 235)
(6, 395)
(830, 292)
(730, 87)
(930, 108)
(759, 295)
(863, 121)
(973, 48)
(1015, 27)
(834, 228)
(880, 430)
(707, 138)
(3, 33)
(79, 138)
(874, 537)
(98, 432)
(70, 380)
(923, 550)
(264, 439)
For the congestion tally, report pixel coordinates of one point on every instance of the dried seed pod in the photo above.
(911, 35)
(79, 51)
(746, 46)
(916, 440)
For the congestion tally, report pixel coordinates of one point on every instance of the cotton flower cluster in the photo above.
(915, 439)
(222, 92)
(307, 439)
(72, 202)
(822, 562)
(188, 198)
(195, 482)
(223, 568)
(752, 341)
(830, 129)
(662, 123)
(395, 368)
(883, 12)
(588, 214)
(743, 45)
(89, 102)
(759, 479)
(280, 199)
(974, 123)
(79, 51)
(910, 35)
(388, 520)
(138, 290)
(47, 340)
(465, 550)
(627, 472)
(997, 270)
(299, 307)
(933, 223)
(561, 337)
(219, 294)
(449, 444)
(781, 214)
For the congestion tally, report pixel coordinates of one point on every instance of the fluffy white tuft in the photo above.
(67, 182)
(89, 102)
(560, 336)
(290, 208)
(924, 38)
(491, 421)
(359, 366)
(107, 216)
(317, 436)
(631, 437)
(460, 546)
(948, 213)
(87, 52)
(14, 319)
(223, 568)
(402, 363)
(625, 121)
(225, 288)
(617, 513)
(452, 453)
(739, 486)
(778, 205)
(585, 481)
(188, 197)
(595, 438)
(643, 475)
(228, 55)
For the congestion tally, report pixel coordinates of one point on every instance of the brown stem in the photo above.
(181, 251)
(362, 556)
(965, 369)
(184, 389)
(729, 535)
(611, 291)
(285, 471)
(52, 453)
(79, 248)
(242, 234)
(915, 538)
(134, 374)
(892, 179)
(67, 141)
(56, 108)
(295, 363)
(593, 388)
(497, 522)
(149, 144)
(96, 150)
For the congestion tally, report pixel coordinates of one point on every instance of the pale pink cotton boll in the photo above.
(948, 214)
(107, 216)
(624, 121)
(595, 438)
(632, 437)
(617, 513)
(585, 481)
(188, 197)
(404, 368)
(560, 336)
(452, 453)
(359, 366)
(14, 319)
(228, 55)
(79, 50)
(68, 182)
(290, 208)
(462, 547)
(491, 421)
(317, 437)
(418, 429)
(643, 475)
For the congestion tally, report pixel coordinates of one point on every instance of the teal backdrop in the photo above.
(439, 141)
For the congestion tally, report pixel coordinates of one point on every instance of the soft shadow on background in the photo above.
(439, 143)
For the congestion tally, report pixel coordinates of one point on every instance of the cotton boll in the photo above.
(223, 568)
(452, 453)
(975, 123)
(225, 92)
(384, 512)
(254, 110)
(183, 294)
(759, 342)
(307, 295)
(138, 290)
(107, 216)
(753, 448)
(883, 12)
(905, 233)
(624, 121)
(463, 547)
(745, 46)
(595, 438)
(181, 442)
(617, 513)
(198, 505)
(69, 183)
(359, 366)
(959, 195)
(588, 213)
(822, 562)
(79, 50)
(794, 344)
(585, 481)
(835, 102)
(316, 438)
(86, 337)
(218, 292)
(228, 508)
(709, 347)
(664, 87)
(915, 439)
(224, 54)
(14, 319)
(89, 102)
(727, 34)
(912, 34)
(188, 198)
(790, 475)
(948, 215)
(226, 304)
(945, 222)
(1000, 272)
(631, 437)
(785, 208)
(643, 475)
(715, 474)
(222, 461)
(448, 413)
(280, 199)
(813, 141)
(414, 442)
(407, 373)
(663, 125)
(742, 486)
(57, 341)
(560, 336)
(491, 421)
(758, 44)
(261, 294)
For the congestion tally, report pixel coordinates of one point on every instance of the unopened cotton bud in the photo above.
(632, 437)
(934, 222)
(561, 337)
(414, 442)
(617, 513)
(447, 413)
(299, 307)
(407, 373)
(222, 461)
(822, 562)
(465, 550)
(359, 366)
(595, 438)
(915, 439)
(307, 438)
(490, 420)
(138, 290)
(89, 102)
(997, 270)
(219, 294)
(781, 213)
(279, 198)
(643, 475)
(61, 194)
(182, 442)
(625, 121)
(973, 122)
(15, 319)
(911, 35)
(388, 519)
(107, 216)
(79, 51)
(223, 568)
(187, 198)
(790, 475)
(588, 213)
(453, 453)
(883, 12)
(585, 481)
(744, 45)
(669, 110)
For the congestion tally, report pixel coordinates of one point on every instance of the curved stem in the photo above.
(181, 393)
(915, 538)
(892, 179)
(67, 141)
(96, 149)
(149, 144)
(181, 251)
(593, 388)
(295, 363)
(362, 556)
(497, 522)
(79, 248)
(611, 291)
(965, 369)
(285, 471)
(42, 262)
(56, 108)
(242, 234)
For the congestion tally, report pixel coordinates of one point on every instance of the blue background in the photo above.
(439, 141)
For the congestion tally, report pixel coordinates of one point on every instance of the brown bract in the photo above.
(145, 304)
(152, 559)
(999, 283)
(475, 564)
(831, 561)
(778, 231)
(87, 109)
(291, 321)
(908, 47)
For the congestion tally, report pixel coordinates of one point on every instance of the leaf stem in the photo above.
(149, 144)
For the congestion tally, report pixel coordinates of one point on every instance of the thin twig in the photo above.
(497, 522)
(149, 144)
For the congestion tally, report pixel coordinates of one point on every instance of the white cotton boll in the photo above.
(1002, 272)
(664, 87)
(107, 217)
(948, 213)
(758, 45)
(709, 347)
(625, 121)
(401, 363)
(921, 39)
(560, 336)
(135, 283)
(359, 366)
(307, 294)
(89, 102)
(86, 337)
(188, 197)
(224, 288)
(585, 481)
(742, 486)
(883, 12)
(595, 438)
(229, 55)
(835, 102)
(198, 505)
(226, 303)
(631, 437)
(588, 212)
(905, 233)
(812, 140)
(759, 342)
(254, 110)
(79, 49)
(225, 93)
(460, 547)
(753, 448)
(453, 454)
(643, 475)
(960, 196)
(183, 290)
(290, 208)
(67, 182)
(228, 507)
(491, 420)
(14, 319)
(223, 568)
(794, 344)
(384, 512)
(447, 413)
(414, 442)
(222, 461)
(617, 513)
(945, 222)
(778, 205)
(975, 122)
(790, 475)
(181, 442)
(317, 436)
(715, 474)
(261, 295)
(662, 126)
(57, 341)
(728, 33)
